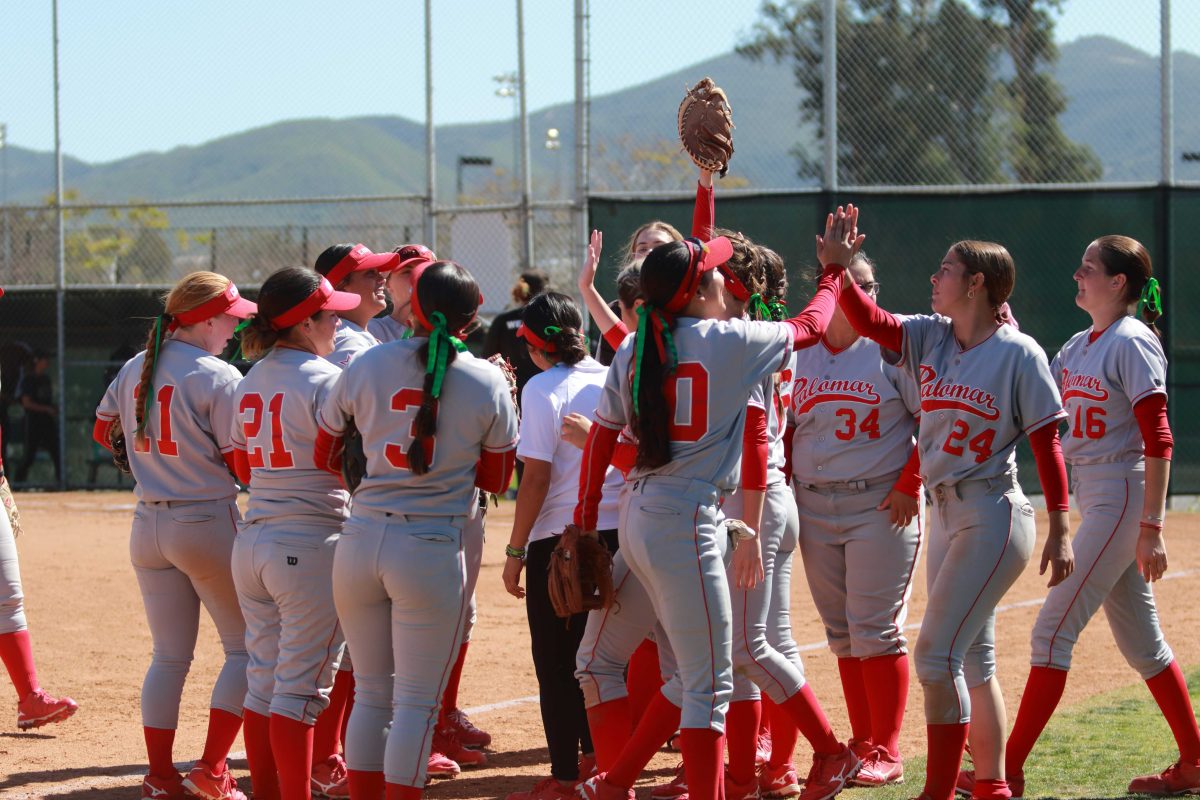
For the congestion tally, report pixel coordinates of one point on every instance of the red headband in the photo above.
(415, 303)
(702, 257)
(227, 302)
(735, 285)
(526, 333)
(323, 296)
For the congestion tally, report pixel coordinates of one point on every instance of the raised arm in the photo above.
(601, 314)
(704, 213)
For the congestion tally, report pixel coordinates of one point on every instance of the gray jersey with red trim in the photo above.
(348, 341)
(381, 390)
(975, 403)
(275, 422)
(1101, 381)
(720, 362)
(854, 414)
(187, 426)
(779, 388)
(387, 329)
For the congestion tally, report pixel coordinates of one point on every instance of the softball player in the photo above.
(670, 523)
(1113, 382)
(570, 381)
(398, 286)
(283, 555)
(401, 577)
(983, 384)
(850, 432)
(354, 269)
(175, 403)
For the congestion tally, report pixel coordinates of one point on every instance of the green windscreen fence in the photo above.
(1046, 231)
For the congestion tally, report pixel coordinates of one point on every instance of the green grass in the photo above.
(1087, 751)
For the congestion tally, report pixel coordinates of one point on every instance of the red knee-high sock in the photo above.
(16, 652)
(806, 713)
(784, 734)
(365, 785)
(450, 696)
(764, 722)
(223, 728)
(398, 791)
(702, 762)
(1171, 693)
(609, 725)
(741, 739)
(349, 707)
(946, 744)
(291, 742)
(885, 680)
(256, 733)
(327, 732)
(643, 679)
(855, 692)
(159, 743)
(990, 790)
(1043, 689)
(658, 723)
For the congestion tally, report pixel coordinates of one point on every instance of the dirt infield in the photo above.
(91, 642)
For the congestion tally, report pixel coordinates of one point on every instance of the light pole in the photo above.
(507, 87)
(553, 144)
(468, 161)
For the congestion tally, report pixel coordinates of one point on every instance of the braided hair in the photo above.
(775, 272)
(748, 273)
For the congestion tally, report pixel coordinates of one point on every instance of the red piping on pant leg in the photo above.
(707, 616)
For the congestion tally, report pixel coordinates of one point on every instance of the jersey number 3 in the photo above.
(408, 400)
(279, 456)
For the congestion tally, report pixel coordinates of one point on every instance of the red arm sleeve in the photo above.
(788, 435)
(327, 453)
(624, 456)
(239, 465)
(1151, 413)
(704, 214)
(754, 450)
(870, 320)
(100, 432)
(909, 481)
(493, 471)
(616, 334)
(597, 455)
(809, 325)
(1052, 471)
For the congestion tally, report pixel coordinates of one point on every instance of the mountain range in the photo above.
(1111, 88)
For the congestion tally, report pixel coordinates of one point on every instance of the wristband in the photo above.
(514, 552)
(1156, 526)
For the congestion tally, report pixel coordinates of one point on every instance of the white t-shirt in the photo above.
(545, 400)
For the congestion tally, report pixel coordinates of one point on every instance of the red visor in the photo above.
(413, 254)
(424, 322)
(360, 258)
(322, 297)
(704, 257)
(524, 332)
(227, 302)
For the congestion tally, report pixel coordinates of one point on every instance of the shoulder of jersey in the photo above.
(1134, 328)
(219, 366)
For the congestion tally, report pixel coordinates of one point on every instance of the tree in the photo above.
(920, 100)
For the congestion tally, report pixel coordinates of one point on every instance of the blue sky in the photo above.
(143, 75)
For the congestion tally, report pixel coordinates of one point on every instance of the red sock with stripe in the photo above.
(741, 739)
(885, 681)
(398, 791)
(703, 759)
(450, 696)
(807, 715)
(16, 651)
(1043, 689)
(291, 742)
(365, 785)
(159, 743)
(784, 733)
(256, 734)
(643, 679)
(223, 728)
(327, 732)
(610, 727)
(658, 723)
(858, 708)
(1171, 693)
(946, 744)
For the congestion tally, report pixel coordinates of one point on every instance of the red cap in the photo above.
(227, 302)
(359, 259)
(413, 254)
(705, 256)
(322, 297)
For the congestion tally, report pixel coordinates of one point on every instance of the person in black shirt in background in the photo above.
(36, 396)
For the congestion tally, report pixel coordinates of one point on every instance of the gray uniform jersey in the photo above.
(276, 424)
(188, 425)
(778, 387)
(381, 390)
(720, 362)
(348, 341)
(975, 403)
(387, 329)
(1101, 381)
(854, 414)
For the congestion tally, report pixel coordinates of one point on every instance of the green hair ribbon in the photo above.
(758, 309)
(440, 342)
(779, 311)
(551, 330)
(1151, 297)
(236, 355)
(148, 393)
(652, 322)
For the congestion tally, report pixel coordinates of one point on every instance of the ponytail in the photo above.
(1150, 305)
(438, 353)
(652, 367)
(144, 393)
(259, 337)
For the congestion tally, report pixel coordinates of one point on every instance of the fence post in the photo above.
(829, 59)
(581, 129)
(430, 141)
(60, 272)
(212, 251)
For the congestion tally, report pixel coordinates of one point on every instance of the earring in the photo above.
(970, 294)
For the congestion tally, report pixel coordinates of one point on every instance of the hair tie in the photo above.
(656, 323)
(1151, 297)
(440, 342)
(779, 311)
(551, 330)
(236, 355)
(759, 309)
